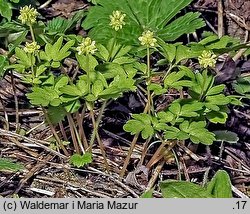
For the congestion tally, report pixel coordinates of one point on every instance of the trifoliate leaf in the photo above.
(133, 126)
(190, 110)
(79, 161)
(217, 117)
(42, 96)
(24, 59)
(56, 114)
(219, 99)
(5, 9)
(226, 136)
(215, 90)
(172, 78)
(87, 63)
(165, 117)
(175, 108)
(141, 123)
(97, 88)
(202, 135)
(71, 90)
(171, 132)
(56, 52)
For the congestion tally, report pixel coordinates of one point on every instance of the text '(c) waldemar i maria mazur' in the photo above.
(79, 205)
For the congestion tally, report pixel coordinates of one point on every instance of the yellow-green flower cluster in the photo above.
(147, 38)
(86, 47)
(207, 59)
(31, 48)
(28, 15)
(117, 20)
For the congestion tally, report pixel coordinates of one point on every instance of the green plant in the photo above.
(6, 8)
(81, 160)
(60, 25)
(242, 86)
(141, 15)
(109, 66)
(226, 136)
(218, 187)
(187, 117)
(9, 165)
(106, 73)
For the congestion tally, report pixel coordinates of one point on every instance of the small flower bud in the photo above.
(207, 59)
(117, 20)
(28, 15)
(148, 39)
(86, 47)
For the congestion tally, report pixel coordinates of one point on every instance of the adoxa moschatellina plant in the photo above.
(106, 72)
(36, 67)
(187, 117)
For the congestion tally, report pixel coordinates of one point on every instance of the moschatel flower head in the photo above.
(117, 20)
(207, 59)
(28, 15)
(86, 47)
(147, 38)
(31, 48)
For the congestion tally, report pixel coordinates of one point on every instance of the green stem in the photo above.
(160, 153)
(148, 79)
(96, 124)
(63, 131)
(168, 71)
(82, 134)
(16, 101)
(178, 164)
(144, 151)
(78, 137)
(33, 39)
(148, 63)
(112, 48)
(32, 33)
(102, 148)
(95, 134)
(32, 67)
(74, 139)
(88, 74)
(132, 146)
(52, 128)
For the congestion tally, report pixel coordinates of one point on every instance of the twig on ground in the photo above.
(40, 143)
(220, 19)
(45, 4)
(155, 175)
(16, 101)
(238, 192)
